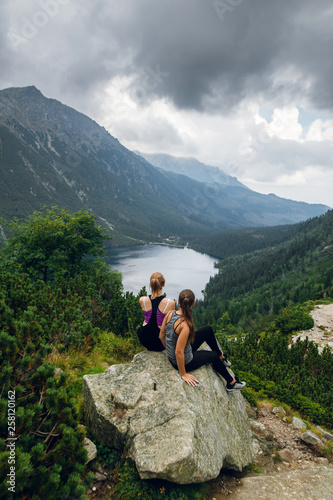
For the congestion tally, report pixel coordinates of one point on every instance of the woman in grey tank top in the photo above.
(182, 343)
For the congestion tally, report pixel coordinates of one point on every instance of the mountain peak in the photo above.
(55, 155)
(23, 91)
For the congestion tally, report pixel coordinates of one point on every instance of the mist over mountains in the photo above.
(193, 168)
(51, 154)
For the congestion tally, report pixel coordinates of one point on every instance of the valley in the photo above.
(53, 155)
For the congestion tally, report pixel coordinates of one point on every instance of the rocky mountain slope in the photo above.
(255, 208)
(192, 168)
(51, 154)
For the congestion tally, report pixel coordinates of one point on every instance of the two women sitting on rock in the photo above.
(163, 327)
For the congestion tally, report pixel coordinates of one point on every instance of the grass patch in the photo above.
(277, 457)
(328, 451)
(109, 349)
(129, 486)
(254, 468)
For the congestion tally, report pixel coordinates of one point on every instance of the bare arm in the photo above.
(180, 347)
(162, 335)
(145, 303)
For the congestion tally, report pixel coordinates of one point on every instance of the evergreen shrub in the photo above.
(56, 296)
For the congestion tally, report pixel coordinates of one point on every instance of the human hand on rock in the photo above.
(190, 380)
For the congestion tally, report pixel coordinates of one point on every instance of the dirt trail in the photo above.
(322, 332)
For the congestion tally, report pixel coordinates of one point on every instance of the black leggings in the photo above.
(200, 358)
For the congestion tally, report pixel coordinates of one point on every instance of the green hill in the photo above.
(269, 268)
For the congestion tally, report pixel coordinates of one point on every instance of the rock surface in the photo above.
(298, 423)
(91, 450)
(171, 430)
(312, 483)
(311, 438)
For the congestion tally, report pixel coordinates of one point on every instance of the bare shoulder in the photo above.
(167, 305)
(182, 327)
(168, 316)
(144, 301)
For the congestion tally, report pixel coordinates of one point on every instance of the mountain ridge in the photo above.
(52, 154)
(192, 168)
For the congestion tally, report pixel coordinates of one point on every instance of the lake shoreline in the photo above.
(181, 266)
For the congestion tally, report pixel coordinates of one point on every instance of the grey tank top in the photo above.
(171, 341)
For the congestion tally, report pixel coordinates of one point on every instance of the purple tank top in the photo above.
(159, 315)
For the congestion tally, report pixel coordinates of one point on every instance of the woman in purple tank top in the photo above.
(155, 307)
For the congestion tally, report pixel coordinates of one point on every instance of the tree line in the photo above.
(259, 283)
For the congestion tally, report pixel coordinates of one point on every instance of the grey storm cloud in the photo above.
(202, 55)
(214, 63)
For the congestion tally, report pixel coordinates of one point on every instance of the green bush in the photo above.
(293, 319)
(52, 298)
(250, 395)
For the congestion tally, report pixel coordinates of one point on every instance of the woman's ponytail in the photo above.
(156, 284)
(186, 301)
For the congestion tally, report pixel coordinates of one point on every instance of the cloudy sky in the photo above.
(246, 85)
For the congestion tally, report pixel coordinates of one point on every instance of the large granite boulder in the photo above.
(171, 430)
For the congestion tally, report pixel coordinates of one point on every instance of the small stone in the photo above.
(298, 423)
(322, 461)
(326, 434)
(287, 455)
(100, 477)
(310, 438)
(91, 450)
(279, 409)
(256, 447)
(261, 430)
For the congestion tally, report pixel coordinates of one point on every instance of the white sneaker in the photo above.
(237, 386)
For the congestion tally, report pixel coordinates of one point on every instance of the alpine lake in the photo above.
(181, 267)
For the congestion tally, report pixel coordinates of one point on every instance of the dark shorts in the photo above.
(149, 338)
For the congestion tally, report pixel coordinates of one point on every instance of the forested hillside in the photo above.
(246, 240)
(260, 297)
(295, 264)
